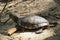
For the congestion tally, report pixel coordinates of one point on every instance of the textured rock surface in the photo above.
(28, 35)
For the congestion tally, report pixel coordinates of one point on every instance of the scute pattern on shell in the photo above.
(32, 22)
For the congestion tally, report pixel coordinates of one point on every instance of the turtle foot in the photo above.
(39, 31)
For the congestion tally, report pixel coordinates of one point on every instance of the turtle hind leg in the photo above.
(39, 31)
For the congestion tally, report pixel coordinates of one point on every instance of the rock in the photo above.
(32, 36)
(4, 37)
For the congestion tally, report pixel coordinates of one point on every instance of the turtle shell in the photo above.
(33, 22)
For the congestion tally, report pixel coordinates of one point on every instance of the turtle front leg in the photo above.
(39, 31)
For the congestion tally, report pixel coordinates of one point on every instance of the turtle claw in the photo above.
(39, 31)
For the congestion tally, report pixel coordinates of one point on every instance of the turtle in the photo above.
(33, 22)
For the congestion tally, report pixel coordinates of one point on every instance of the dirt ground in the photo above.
(49, 9)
